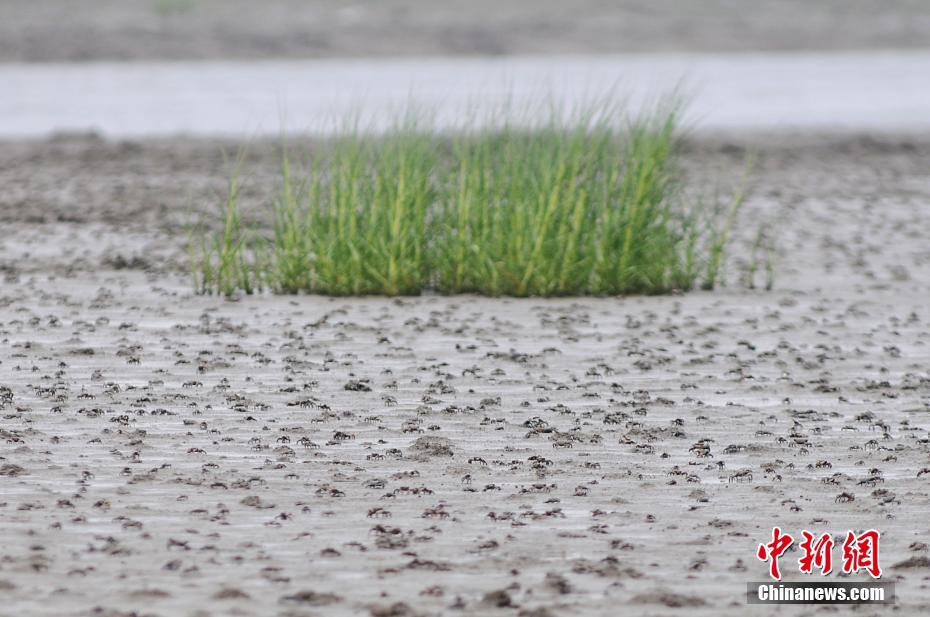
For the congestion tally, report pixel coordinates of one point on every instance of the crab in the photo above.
(307, 443)
(743, 475)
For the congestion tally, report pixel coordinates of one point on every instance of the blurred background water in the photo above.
(243, 67)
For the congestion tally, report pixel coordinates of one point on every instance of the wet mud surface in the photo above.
(168, 454)
(64, 30)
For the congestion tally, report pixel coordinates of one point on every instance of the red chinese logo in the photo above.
(861, 553)
(817, 554)
(773, 550)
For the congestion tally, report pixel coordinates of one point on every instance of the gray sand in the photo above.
(169, 454)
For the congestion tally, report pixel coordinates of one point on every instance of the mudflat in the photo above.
(64, 30)
(170, 454)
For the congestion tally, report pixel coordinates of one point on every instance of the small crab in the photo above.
(743, 475)
(436, 512)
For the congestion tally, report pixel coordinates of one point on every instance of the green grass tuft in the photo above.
(573, 207)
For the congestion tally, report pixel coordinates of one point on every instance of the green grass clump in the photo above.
(584, 206)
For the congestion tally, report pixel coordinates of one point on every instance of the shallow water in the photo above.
(877, 91)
